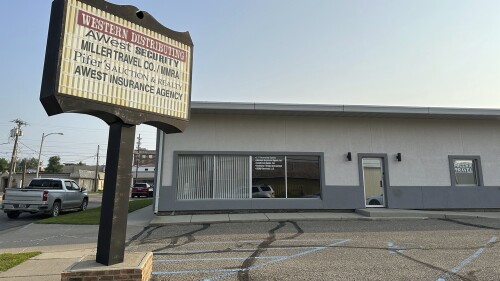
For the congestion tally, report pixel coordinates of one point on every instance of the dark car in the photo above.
(262, 191)
(141, 189)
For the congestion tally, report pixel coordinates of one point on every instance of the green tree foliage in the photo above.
(55, 165)
(4, 165)
(30, 164)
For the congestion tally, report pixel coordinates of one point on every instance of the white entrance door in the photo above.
(374, 183)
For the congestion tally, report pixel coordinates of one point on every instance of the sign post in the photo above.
(118, 64)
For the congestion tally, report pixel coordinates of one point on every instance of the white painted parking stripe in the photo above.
(234, 242)
(394, 249)
(281, 259)
(468, 260)
(231, 250)
(217, 259)
(229, 272)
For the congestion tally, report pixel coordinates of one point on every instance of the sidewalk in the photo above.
(54, 259)
(359, 214)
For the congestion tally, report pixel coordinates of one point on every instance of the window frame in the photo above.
(476, 160)
(320, 155)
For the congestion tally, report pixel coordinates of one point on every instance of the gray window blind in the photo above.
(231, 177)
(195, 177)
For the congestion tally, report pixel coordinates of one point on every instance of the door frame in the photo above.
(385, 170)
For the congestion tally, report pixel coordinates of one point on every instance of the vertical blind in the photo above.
(213, 176)
(231, 177)
(195, 177)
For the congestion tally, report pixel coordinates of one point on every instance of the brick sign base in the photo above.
(135, 267)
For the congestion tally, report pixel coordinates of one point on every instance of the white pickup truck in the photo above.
(45, 196)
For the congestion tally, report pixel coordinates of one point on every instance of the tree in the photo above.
(30, 163)
(4, 165)
(54, 165)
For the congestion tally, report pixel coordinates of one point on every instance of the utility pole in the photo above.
(138, 156)
(96, 180)
(15, 133)
(24, 172)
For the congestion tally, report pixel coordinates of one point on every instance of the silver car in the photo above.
(262, 191)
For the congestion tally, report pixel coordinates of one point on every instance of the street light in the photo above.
(40, 152)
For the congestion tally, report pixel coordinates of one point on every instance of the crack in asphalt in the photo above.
(470, 224)
(188, 235)
(250, 261)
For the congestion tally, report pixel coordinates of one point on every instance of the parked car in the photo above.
(262, 191)
(141, 189)
(45, 196)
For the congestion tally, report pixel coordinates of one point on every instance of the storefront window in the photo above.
(247, 176)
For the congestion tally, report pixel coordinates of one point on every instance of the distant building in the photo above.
(84, 176)
(144, 164)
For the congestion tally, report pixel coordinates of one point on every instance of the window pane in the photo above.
(303, 176)
(268, 172)
(195, 177)
(465, 172)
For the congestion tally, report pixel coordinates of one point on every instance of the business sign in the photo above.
(118, 64)
(463, 166)
(268, 163)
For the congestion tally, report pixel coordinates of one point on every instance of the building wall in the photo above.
(425, 145)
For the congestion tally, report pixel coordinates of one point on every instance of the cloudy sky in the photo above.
(398, 53)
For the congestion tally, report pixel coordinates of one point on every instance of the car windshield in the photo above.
(140, 185)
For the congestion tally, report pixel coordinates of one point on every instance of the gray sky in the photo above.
(413, 53)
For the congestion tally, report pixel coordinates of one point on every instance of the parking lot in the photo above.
(465, 249)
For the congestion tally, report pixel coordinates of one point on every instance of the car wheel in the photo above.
(13, 215)
(56, 209)
(374, 202)
(133, 195)
(84, 205)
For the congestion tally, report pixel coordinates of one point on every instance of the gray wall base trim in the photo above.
(348, 198)
(443, 197)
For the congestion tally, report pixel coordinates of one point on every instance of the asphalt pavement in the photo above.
(63, 245)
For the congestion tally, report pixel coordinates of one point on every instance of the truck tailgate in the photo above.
(20, 195)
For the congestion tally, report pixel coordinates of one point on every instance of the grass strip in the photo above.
(92, 216)
(9, 260)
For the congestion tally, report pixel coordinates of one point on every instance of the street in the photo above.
(27, 218)
(465, 249)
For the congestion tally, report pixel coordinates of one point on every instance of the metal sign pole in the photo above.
(114, 206)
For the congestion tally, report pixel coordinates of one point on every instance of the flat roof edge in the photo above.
(351, 110)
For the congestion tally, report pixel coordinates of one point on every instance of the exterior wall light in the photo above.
(398, 156)
(349, 156)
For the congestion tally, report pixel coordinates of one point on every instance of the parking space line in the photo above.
(229, 272)
(280, 260)
(217, 259)
(241, 241)
(394, 249)
(229, 249)
(468, 260)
